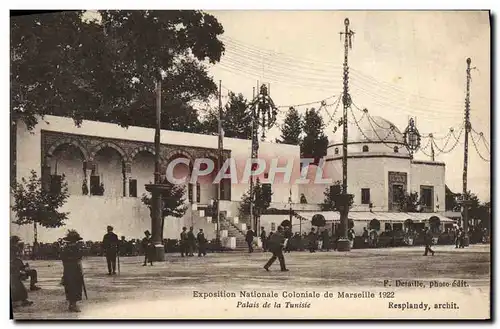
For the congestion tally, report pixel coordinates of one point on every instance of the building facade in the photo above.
(107, 166)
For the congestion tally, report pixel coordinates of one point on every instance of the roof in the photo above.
(366, 129)
(381, 216)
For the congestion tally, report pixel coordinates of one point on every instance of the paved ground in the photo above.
(173, 282)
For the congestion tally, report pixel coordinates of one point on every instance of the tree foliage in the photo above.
(318, 220)
(333, 198)
(236, 119)
(291, 129)
(173, 201)
(314, 143)
(450, 201)
(35, 204)
(103, 66)
(262, 199)
(409, 202)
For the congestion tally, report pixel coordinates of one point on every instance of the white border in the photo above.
(200, 4)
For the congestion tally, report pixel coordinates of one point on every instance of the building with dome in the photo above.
(380, 170)
(107, 166)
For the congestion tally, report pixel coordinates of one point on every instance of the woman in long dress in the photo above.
(71, 256)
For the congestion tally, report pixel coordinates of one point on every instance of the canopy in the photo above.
(416, 217)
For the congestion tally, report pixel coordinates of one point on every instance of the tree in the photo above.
(236, 119)
(262, 200)
(173, 202)
(332, 198)
(34, 204)
(409, 202)
(318, 220)
(69, 65)
(450, 201)
(314, 143)
(291, 128)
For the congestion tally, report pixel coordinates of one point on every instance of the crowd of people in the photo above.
(71, 249)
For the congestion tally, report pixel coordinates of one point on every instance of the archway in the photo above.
(68, 160)
(107, 172)
(141, 173)
(182, 171)
(207, 188)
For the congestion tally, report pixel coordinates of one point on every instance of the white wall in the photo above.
(372, 148)
(91, 214)
(142, 169)
(69, 162)
(28, 148)
(428, 173)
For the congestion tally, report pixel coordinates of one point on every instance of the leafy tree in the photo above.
(318, 221)
(332, 197)
(37, 205)
(314, 143)
(173, 202)
(236, 119)
(450, 201)
(105, 68)
(409, 202)
(291, 128)
(262, 200)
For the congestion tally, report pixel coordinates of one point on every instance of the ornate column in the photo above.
(88, 167)
(194, 199)
(127, 170)
(46, 174)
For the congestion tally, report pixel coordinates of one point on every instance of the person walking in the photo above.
(147, 246)
(249, 239)
(71, 257)
(184, 242)
(313, 241)
(202, 243)
(263, 238)
(276, 245)
(428, 241)
(110, 246)
(191, 241)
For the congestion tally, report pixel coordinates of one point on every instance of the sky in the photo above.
(402, 65)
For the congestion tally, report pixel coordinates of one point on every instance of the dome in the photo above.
(368, 129)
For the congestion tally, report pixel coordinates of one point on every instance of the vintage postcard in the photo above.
(194, 164)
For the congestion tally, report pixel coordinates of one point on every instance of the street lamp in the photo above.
(157, 188)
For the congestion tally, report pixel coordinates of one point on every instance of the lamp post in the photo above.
(157, 188)
(344, 243)
(264, 114)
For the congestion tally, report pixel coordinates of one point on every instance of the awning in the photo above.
(416, 217)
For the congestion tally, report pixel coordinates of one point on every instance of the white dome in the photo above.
(367, 130)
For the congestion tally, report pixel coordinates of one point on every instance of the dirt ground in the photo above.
(167, 289)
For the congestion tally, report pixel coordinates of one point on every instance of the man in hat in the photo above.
(17, 289)
(202, 243)
(23, 269)
(71, 257)
(263, 238)
(313, 240)
(184, 242)
(146, 246)
(191, 241)
(428, 241)
(249, 239)
(110, 246)
(276, 245)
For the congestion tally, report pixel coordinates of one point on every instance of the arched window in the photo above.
(365, 148)
(336, 150)
(396, 149)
